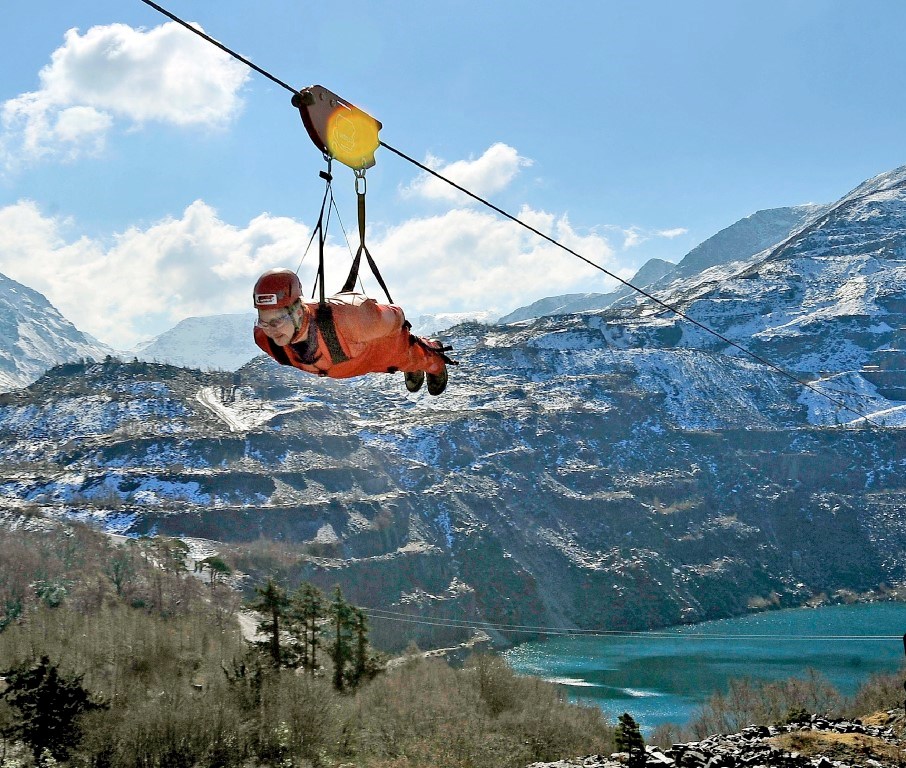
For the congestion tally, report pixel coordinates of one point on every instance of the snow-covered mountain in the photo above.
(827, 302)
(651, 272)
(428, 325)
(34, 336)
(746, 238)
(619, 469)
(216, 342)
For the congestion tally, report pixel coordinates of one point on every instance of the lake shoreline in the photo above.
(663, 675)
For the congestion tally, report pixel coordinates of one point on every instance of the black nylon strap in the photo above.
(349, 285)
(328, 331)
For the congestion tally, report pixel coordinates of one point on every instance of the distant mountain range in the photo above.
(737, 242)
(224, 342)
(428, 325)
(651, 272)
(617, 469)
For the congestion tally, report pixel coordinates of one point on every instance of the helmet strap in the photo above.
(293, 311)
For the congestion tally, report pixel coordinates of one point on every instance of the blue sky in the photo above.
(145, 177)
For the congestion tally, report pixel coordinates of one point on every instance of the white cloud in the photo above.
(488, 174)
(115, 72)
(672, 233)
(634, 236)
(473, 260)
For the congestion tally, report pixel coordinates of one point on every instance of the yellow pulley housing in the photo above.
(339, 129)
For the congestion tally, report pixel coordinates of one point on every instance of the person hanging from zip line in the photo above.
(344, 336)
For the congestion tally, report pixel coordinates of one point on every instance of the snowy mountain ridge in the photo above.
(34, 336)
(740, 241)
(651, 272)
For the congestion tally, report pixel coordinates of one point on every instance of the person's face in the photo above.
(277, 324)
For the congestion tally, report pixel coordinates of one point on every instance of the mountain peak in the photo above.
(218, 342)
(34, 336)
(747, 237)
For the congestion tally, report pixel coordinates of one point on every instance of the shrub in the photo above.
(747, 702)
(423, 713)
(311, 714)
(173, 729)
(881, 692)
(666, 735)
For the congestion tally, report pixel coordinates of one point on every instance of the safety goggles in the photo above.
(274, 324)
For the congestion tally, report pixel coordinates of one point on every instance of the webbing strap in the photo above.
(320, 228)
(328, 331)
(349, 285)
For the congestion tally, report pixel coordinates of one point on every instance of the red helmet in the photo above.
(277, 288)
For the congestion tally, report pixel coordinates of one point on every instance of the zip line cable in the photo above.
(221, 46)
(641, 291)
(678, 312)
(377, 613)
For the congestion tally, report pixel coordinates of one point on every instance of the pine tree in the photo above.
(360, 653)
(48, 706)
(629, 739)
(366, 662)
(306, 614)
(273, 603)
(341, 614)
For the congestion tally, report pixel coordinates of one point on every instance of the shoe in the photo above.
(414, 380)
(437, 382)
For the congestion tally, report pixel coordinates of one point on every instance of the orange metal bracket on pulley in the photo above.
(339, 129)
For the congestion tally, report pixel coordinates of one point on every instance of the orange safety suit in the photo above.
(372, 337)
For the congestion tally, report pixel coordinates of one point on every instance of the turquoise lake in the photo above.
(665, 676)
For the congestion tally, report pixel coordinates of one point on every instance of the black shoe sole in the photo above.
(437, 383)
(414, 380)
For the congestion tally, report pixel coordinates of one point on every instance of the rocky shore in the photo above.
(876, 742)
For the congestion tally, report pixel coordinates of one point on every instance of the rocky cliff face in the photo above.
(618, 470)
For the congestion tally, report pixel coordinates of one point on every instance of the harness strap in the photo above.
(320, 230)
(328, 331)
(349, 285)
